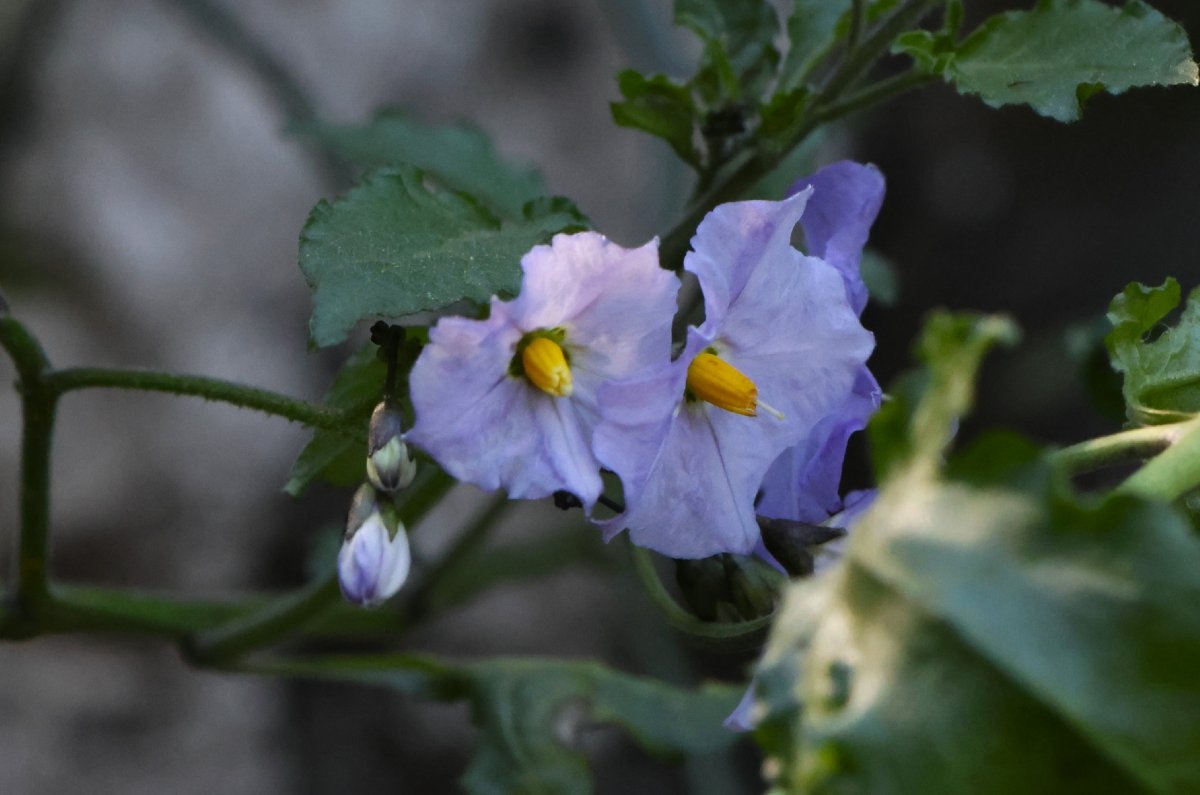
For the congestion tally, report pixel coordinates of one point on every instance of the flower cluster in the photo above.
(576, 374)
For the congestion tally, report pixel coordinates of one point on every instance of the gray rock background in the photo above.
(150, 209)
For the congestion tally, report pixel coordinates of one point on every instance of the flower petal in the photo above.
(802, 484)
(845, 200)
(731, 242)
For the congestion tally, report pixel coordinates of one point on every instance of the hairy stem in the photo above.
(214, 389)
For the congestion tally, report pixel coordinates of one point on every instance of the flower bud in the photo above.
(753, 586)
(374, 559)
(389, 465)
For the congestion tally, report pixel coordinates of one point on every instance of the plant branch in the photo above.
(747, 167)
(1119, 448)
(1174, 472)
(883, 90)
(38, 405)
(214, 389)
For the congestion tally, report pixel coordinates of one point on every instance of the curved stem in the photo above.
(1174, 472)
(723, 636)
(215, 389)
(273, 621)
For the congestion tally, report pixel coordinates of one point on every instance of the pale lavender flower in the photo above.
(785, 337)
(512, 401)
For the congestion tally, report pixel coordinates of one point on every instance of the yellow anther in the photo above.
(546, 367)
(718, 382)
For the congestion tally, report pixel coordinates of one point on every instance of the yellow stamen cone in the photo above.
(546, 367)
(718, 382)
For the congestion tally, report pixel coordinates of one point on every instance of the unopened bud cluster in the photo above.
(374, 560)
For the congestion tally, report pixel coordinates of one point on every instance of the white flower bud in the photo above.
(374, 560)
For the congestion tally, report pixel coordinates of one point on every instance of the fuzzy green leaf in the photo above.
(1161, 375)
(1055, 56)
(392, 247)
(661, 107)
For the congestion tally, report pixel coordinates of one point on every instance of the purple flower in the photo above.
(512, 401)
(780, 334)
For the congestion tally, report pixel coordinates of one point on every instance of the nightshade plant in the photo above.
(988, 628)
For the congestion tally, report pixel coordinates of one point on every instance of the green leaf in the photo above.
(1161, 375)
(661, 107)
(339, 456)
(987, 632)
(1063, 51)
(459, 157)
(811, 30)
(529, 712)
(392, 247)
(739, 35)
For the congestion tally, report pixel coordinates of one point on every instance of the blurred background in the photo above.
(151, 198)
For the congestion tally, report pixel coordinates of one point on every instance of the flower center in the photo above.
(545, 365)
(714, 380)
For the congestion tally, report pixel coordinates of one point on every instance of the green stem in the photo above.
(85, 608)
(861, 59)
(1174, 472)
(275, 620)
(888, 88)
(1119, 448)
(27, 605)
(215, 389)
(734, 636)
